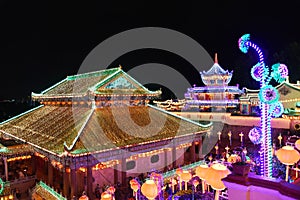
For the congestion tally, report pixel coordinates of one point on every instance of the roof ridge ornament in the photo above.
(216, 58)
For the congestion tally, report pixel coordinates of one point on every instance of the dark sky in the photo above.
(44, 41)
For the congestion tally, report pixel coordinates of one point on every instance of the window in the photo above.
(154, 159)
(130, 165)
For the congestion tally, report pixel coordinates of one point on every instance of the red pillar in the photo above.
(66, 184)
(73, 182)
(193, 152)
(90, 182)
(174, 157)
(115, 175)
(123, 172)
(50, 174)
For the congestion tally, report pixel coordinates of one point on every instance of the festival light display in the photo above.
(269, 104)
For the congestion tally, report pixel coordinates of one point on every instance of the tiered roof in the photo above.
(216, 75)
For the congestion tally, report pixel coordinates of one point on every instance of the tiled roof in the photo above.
(107, 82)
(84, 129)
(47, 127)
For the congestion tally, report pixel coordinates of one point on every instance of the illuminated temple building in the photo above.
(94, 128)
(216, 94)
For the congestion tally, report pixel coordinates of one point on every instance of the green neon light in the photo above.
(51, 191)
(1, 185)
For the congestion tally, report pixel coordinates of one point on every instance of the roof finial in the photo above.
(216, 58)
(120, 66)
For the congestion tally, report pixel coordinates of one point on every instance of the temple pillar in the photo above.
(50, 174)
(90, 181)
(166, 159)
(115, 175)
(174, 157)
(66, 183)
(5, 168)
(123, 172)
(73, 182)
(33, 164)
(200, 149)
(193, 152)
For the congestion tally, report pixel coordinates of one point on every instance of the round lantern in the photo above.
(111, 190)
(287, 155)
(132, 181)
(217, 171)
(201, 172)
(186, 176)
(106, 196)
(149, 189)
(214, 175)
(135, 187)
(195, 183)
(179, 171)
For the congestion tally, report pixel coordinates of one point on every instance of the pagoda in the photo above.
(96, 127)
(216, 95)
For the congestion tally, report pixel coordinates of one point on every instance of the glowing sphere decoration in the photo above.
(255, 135)
(279, 72)
(257, 72)
(276, 109)
(243, 43)
(268, 94)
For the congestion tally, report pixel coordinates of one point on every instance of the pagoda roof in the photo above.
(112, 81)
(216, 69)
(79, 129)
(216, 72)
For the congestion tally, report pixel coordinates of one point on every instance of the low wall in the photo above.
(255, 187)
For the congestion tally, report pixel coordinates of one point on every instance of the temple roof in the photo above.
(87, 130)
(107, 82)
(216, 72)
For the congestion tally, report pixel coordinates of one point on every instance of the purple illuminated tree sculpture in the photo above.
(269, 104)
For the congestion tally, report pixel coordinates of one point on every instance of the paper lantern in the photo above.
(149, 189)
(217, 171)
(132, 181)
(179, 171)
(214, 175)
(186, 176)
(195, 183)
(287, 155)
(135, 187)
(216, 184)
(297, 144)
(111, 190)
(201, 171)
(106, 196)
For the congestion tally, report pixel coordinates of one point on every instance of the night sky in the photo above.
(42, 42)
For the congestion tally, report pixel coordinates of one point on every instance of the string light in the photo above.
(268, 95)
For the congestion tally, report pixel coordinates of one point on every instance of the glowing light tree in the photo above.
(269, 104)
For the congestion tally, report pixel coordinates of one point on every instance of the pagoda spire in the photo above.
(216, 58)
